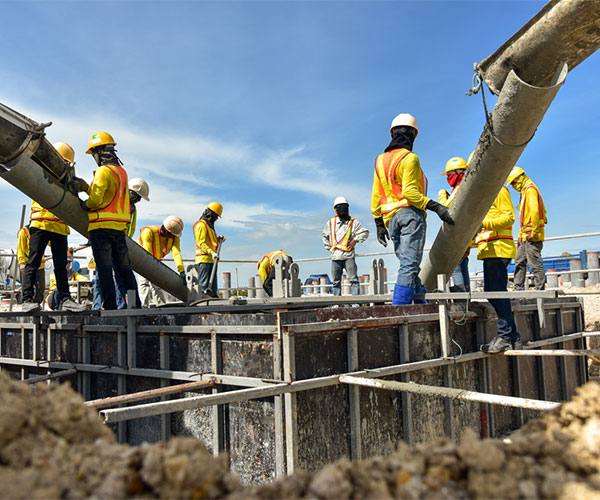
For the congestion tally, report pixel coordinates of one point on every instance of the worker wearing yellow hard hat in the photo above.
(398, 203)
(454, 172)
(266, 269)
(208, 245)
(109, 218)
(533, 219)
(159, 241)
(46, 228)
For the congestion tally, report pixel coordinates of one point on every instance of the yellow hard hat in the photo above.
(65, 151)
(174, 225)
(514, 173)
(455, 163)
(407, 120)
(216, 207)
(99, 138)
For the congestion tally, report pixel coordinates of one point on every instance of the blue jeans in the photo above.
(337, 266)
(204, 272)
(495, 279)
(120, 293)
(407, 231)
(460, 275)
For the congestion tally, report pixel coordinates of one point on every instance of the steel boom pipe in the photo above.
(20, 167)
(515, 118)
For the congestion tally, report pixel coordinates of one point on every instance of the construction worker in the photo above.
(533, 219)
(46, 228)
(266, 269)
(495, 246)
(39, 284)
(138, 189)
(340, 235)
(73, 276)
(398, 203)
(159, 241)
(455, 171)
(207, 247)
(109, 218)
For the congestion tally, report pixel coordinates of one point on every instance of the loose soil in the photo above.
(53, 446)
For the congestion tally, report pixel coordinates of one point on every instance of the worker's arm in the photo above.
(132, 223)
(103, 181)
(443, 197)
(176, 251)
(412, 189)
(376, 197)
(326, 236)
(147, 240)
(359, 232)
(532, 214)
(504, 214)
(22, 247)
(262, 268)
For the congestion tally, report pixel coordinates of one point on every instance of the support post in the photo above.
(445, 346)
(218, 420)
(576, 278)
(373, 287)
(278, 406)
(382, 277)
(50, 348)
(122, 381)
(131, 331)
(86, 357)
(562, 363)
(580, 325)
(165, 364)
(226, 285)
(593, 263)
(354, 396)
(482, 368)
(405, 397)
(251, 286)
(291, 410)
(24, 353)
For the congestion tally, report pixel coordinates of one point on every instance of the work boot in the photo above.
(30, 306)
(403, 295)
(72, 306)
(498, 344)
(517, 345)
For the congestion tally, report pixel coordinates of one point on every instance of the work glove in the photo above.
(382, 233)
(440, 210)
(182, 274)
(78, 185)
(215, 256)
(22, 267)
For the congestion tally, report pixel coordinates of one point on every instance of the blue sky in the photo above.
(274, 108)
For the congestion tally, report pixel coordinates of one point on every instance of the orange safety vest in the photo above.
(118, 209)
(271, 258)
(390, 192)
(43, 214)
(542, 208)
(213, 241)
(343, 243)
(160, 246)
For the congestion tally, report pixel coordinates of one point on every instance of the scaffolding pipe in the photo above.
(51, 376)
(447, 392)
(515, 118)
(553, 352)
(563, 30)
(32, 165)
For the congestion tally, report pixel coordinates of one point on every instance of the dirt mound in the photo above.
(52, 446)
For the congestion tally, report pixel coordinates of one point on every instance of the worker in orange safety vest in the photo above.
(340, 235)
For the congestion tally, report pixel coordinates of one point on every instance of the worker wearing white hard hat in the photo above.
(398, 203)
(160, 241)
(340, 235)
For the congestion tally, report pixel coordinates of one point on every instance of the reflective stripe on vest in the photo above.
(390, 192)
(118, 209)
(213, 242)
(541, 208)
(488, 235)
(43, 214)
(158, 250)
(271, 258)
(343, 243)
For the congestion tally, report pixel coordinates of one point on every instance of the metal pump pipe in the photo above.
(30, 163)
(516, 116)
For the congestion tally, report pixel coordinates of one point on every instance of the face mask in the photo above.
(343, 211)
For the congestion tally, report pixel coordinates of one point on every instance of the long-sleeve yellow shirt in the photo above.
(408, 174)
(165, 244)
(532, 212)
(203, 249)
(499, 220)
(101, 193)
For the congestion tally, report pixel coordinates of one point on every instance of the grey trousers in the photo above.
(529, 252)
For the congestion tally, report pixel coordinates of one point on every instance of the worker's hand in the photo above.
(440, 210)
(519, 242)
(78, 185)
(83, 205)
(382, 233)
(182, 274)
(22, 267)
(222, 239)
(528, 237)
(442, 195)
(215, 256)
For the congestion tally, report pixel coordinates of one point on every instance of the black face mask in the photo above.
(343, 211)
(402, 137)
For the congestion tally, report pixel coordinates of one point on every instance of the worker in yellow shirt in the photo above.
(533, 219)
(266, 269)
(74, 276)
(398, 203)
(46, 228)
(39, 284)
(207, 247)
(109, 218)
(159, 241)
(496, 248)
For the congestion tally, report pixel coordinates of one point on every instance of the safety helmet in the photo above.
(514, 173)
(140, 186)
(455, 163)
(174, 225)
(65, 151)
(216, 207)
(99, 138)
(340, 200)
(405, 119)
(76, 266)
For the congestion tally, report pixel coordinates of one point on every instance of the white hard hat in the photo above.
(174, 225)
(407, 120)
(140, 186)
(340, 200)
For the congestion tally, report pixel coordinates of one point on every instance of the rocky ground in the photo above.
(52, 446)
